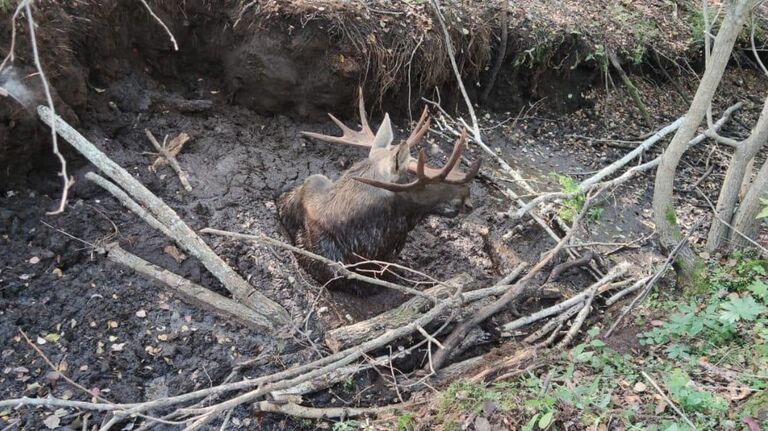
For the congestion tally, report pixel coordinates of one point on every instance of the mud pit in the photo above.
(129, 339)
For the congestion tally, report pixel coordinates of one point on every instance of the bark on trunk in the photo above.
(734, 178)
(664, 213)
(744, 221)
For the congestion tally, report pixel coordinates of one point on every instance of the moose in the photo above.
(367, 213)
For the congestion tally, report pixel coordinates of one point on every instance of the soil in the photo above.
(127, 338)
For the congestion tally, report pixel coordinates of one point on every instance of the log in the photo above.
(274, 316)
(340, 338)
(188, 291)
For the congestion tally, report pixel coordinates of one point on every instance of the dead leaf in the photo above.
(52, 422)
(173, 147)
(751, 423)
(738, 393)
(175, 253)
(58, 272)
(112, 324)
(639, 387)
(117, 347)
(141, 314)
(34, 259)
(661, 405)
(162, 337)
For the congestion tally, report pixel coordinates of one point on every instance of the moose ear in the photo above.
(384, 135)
(402, 157)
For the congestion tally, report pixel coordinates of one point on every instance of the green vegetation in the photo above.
(764, 212)
(570, 207)
(707, 352)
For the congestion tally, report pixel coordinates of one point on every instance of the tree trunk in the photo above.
(664, 213)
(737, 169)
(744, 221)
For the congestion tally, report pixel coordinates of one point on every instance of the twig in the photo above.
(657, 276)
(54, 138)
(593, 182)
(514, 291)
(162, 24)
(273, 313)
(263, 239)
(171, 160)
(580, 318)
(731, 227)
(555, 324)
(129, 203)
(190, 292)
(622, 293)
(668, 401)
(615, 273)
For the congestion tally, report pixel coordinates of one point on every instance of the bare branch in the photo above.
(162, 24)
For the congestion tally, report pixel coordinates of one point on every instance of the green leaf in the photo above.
(760, 289)
(546, 419)
(740, 309)
(53, 337)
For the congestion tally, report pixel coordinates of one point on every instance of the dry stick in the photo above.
(273, 315)
(616, 272)
(594, 181)
(479, 141)
(554, 324)
(54, 139)
(162, 24)
(188, 291)
(350, 335)
(263, 239)
(622, 293)
(129, 203)
(12, 50)
(298, 411)
(356, 333)
(171, 160)
(730, 226)
(339, 360)
(515, 291)
(580, 318)
(76, 385)
(656, 277)
(668, 401)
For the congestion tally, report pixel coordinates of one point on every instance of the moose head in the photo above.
(368, 212)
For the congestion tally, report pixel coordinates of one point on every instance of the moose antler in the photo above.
(361, 138)
(365, 138)
(426, 175)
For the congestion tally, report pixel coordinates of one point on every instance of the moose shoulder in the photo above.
(368, 212)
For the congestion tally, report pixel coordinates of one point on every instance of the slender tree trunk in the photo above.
(734, 178)
(744, 221)
(664, 212)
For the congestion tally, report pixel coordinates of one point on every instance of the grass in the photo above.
(708, 352)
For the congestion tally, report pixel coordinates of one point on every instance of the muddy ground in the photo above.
(130, 340)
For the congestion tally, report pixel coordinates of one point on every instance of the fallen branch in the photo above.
(295, 410)
(668, 401)
(129, 203)
(181, 232)
(188, 291)
(461, 331)
(554, 324)
(350, 335)
(656, 277)
(617, 271)
(170, 158)
(593, 182)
